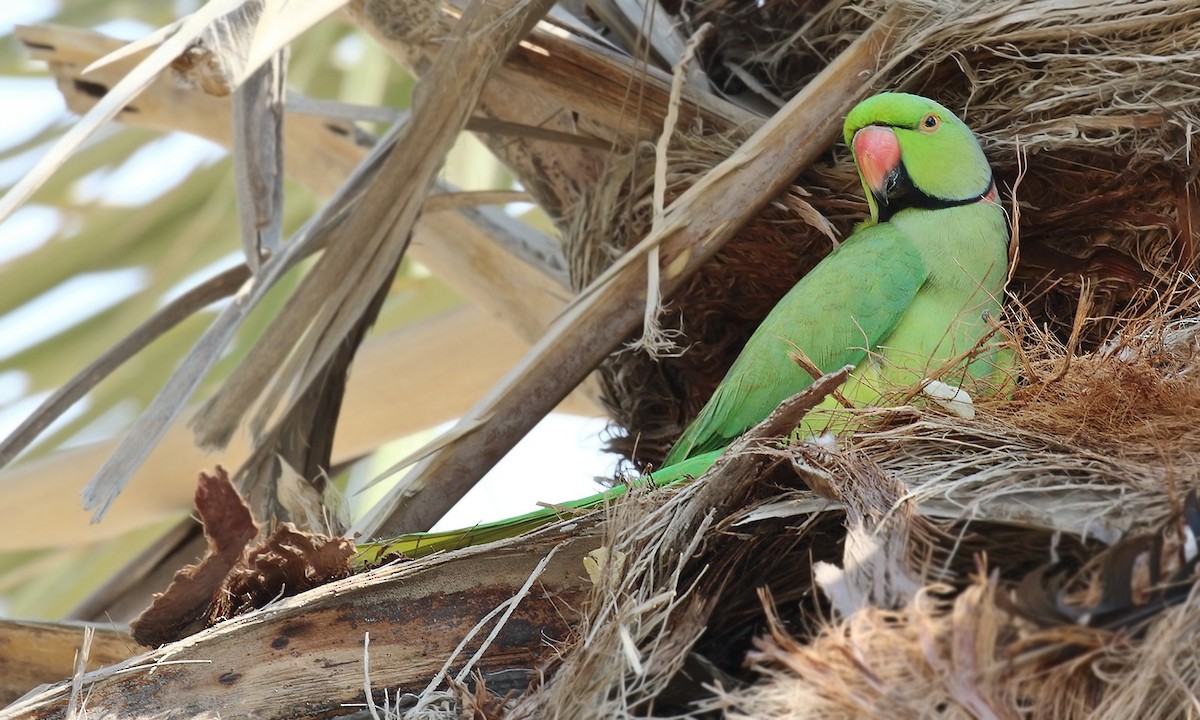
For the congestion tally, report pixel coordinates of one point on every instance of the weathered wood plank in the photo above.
(303, 656)
(34, 653)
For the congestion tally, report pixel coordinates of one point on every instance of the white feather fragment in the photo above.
(630, 649)
(1189, 544)
(950, 398)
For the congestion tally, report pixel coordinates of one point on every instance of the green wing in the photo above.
(847, 304)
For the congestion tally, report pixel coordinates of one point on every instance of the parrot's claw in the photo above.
(952, 399)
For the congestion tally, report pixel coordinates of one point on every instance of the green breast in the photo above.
(966, 252)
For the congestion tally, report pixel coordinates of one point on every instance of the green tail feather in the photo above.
(415, 545)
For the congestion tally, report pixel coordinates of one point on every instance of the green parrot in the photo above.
(908, 291)
(911, 289)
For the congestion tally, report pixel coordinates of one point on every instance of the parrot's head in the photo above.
(912, 152)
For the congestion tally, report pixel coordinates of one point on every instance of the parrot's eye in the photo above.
(930, 123)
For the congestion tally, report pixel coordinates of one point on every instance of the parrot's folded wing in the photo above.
(838, 312)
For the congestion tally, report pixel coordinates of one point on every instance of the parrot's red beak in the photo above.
(877, 152)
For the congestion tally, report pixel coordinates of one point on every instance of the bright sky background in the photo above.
(555, 463)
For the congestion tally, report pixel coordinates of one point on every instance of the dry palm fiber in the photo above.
(970, 655)
(1092, 445)
(661, 571)
(1092, 104)
(933, 659)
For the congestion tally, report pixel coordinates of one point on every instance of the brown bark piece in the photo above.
(289, 562)
(182, 609)
(233, 578)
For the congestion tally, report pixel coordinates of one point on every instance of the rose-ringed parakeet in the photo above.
(908, 291)
(901, 296)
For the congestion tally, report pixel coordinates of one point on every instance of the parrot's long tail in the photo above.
(415, 545)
